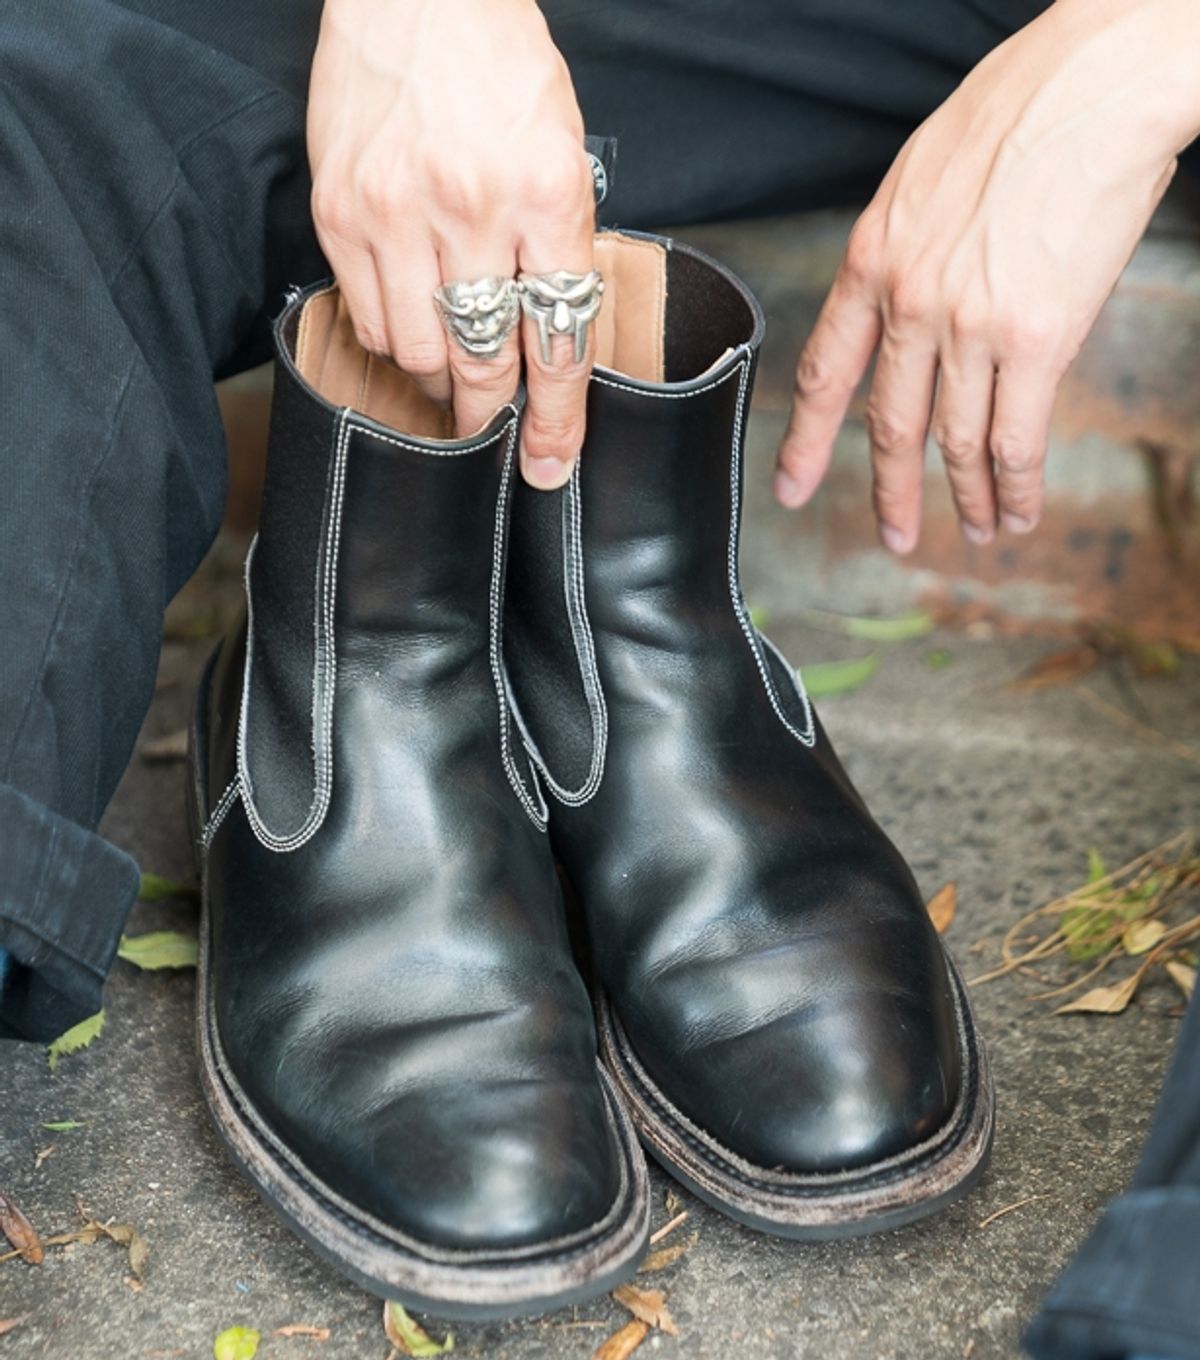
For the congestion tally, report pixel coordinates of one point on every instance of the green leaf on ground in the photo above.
(1097, 869)
(65, 1125)
(159, 949)
(77, 1037)
(1088, 930)
(838, 677)
(408, 1336)
(939, 659)
(155, 888)
(236, 1343)
(915, 623)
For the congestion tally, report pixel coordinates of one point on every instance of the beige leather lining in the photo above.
(332, 362)
(629, 340)
(632, 323)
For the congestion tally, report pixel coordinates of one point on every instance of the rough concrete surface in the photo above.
(1001, 792)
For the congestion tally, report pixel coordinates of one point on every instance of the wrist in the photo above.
(1149, 51)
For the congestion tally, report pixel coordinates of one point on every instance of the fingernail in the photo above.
(1017, 524)
(978, 533)
(895, 540)
(788, 491)
(547, 474)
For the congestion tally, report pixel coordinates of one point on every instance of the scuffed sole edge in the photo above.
(478, 1288)
(815, 1208)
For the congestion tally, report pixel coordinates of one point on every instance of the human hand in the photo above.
(447, 144)
(982, 262)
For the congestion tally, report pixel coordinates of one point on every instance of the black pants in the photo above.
(154, 205)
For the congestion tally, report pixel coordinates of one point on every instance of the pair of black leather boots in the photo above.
(462, 717)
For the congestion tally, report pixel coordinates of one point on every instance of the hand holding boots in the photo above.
(447, 145)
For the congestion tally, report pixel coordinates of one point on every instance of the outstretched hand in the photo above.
(975, 274)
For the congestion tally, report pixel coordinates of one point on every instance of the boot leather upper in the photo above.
(763, 944)
(394, 989)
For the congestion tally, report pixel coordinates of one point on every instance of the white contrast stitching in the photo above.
(325, 642)
(585, 654)
(432, 450)
(224, 803)
(324, 667)
(538, 813)
(809, 736)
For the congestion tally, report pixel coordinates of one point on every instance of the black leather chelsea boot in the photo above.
(780, 1016)
(395, 1043)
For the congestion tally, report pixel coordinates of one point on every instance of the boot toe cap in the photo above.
(839, 1087)
(461, 1174)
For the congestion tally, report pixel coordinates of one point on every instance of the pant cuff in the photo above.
(1133, 1287)
(64, 895)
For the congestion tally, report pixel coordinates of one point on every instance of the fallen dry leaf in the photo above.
(20, 1232)
(667, 1256)
(12, 1323)
(1140, 937)
(126, 1235)
(1183, 977)
(40, 1157)
(1104, 1000)
(622, 1344)
(942, 906)
(304, 1329)
(1059, 668)
(647, 1305)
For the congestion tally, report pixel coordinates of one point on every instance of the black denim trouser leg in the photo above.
(1134, 1288)
(142, 174)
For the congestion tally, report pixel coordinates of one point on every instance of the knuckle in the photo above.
(372, 336)
(381, 195)
(861, 260)
(968, 321)
(959, 449)
(891, 504)
(910, 299)
(888, 435)
(332, 211)
(1014, 455)
(815, 378)
(459, 188)
(485, 375)
(1027, 336)
(554, 432)
(1025, 502)
(421, 358)
(553, 183)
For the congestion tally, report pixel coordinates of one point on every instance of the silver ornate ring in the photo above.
(480, 314)
(561, 304)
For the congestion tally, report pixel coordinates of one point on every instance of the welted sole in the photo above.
(816, 1208)
(457, 1285)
